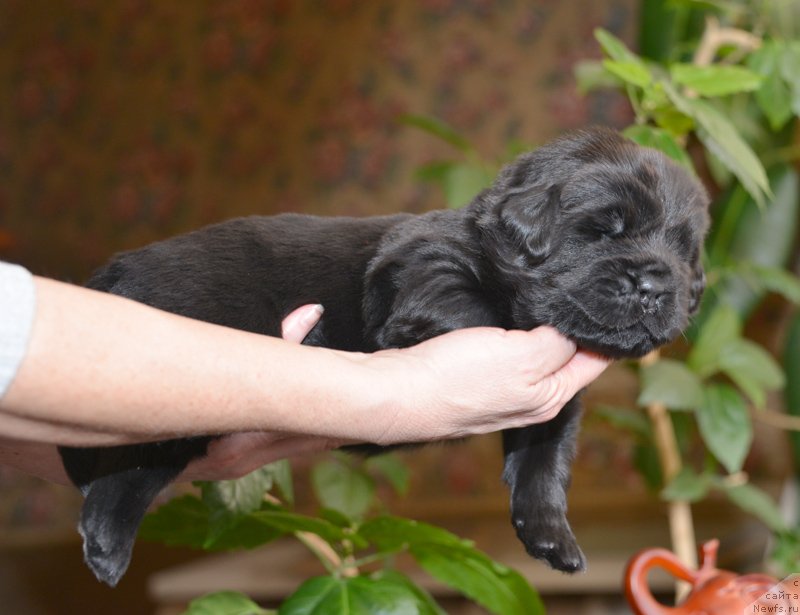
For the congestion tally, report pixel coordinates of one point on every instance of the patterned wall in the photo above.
(122, 122)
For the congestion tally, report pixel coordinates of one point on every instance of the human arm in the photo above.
(103, 370)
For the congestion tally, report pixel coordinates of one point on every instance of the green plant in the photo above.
(720, 87)
(355, 550)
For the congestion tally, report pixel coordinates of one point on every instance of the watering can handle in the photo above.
(637, 589)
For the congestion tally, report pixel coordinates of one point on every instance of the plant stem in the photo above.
(716, 36)
(680, 512)
(329, 558)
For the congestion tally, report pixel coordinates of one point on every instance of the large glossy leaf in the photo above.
(225, 603)
(455, 562)
(672, 384)
(635, 73)
(242, 495)
(392, 468)
(720, 328)
(715, 80)
(725, 425)
(752, 368)
(497, 588)
(343, 487)
(723, 140)
(390, 534)
(361, 595)
(185, 521)
(227, 500)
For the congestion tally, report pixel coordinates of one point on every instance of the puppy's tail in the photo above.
(110, 518)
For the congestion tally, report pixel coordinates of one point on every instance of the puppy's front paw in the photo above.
(548, 537)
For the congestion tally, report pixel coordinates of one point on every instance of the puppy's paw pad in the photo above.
(554, 544)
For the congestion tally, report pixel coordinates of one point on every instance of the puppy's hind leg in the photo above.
(119, 484)
(110, 518)
(537, 469)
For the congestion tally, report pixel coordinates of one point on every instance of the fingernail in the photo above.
(315, 313)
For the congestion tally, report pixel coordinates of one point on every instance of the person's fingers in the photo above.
(236, 455)
(297, 325)
(584, 368)
(549, 350)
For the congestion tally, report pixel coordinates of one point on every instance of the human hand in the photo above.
(480, 380)
(235, 455)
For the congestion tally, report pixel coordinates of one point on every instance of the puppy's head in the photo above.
(600, 238)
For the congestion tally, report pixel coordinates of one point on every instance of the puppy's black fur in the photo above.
(591, 234)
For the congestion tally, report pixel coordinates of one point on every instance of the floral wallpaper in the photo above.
(129, 121)
(123, 122)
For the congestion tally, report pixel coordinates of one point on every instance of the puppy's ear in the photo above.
(528, 217)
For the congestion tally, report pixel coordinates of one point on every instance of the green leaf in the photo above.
(224, 603)
(633, 421)
(591, 75)
(463, 182)
(635, 73)
(687, 486)
(671, 383)
(383, 594)
(238, 496)
(659, 139)
(790, 69)
(720, 328)
(494, 586)
(775, 96)
(228, 500)
(745, 234)
(645, 460)
(390, 534)
(391, 467)
(281, 471)
(286, 522)
(715, 80)
(791, 365)
(722, 139)
(752, 369)
(779, 281)
(614, 48)
(434, 171)
(456, 562)
(335, 517)
(725, 425)
(425, 603)
(753, 500)
(786, 554)
(185, 521)
(343, 488)
(439, 129)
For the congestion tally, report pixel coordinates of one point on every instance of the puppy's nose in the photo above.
(648, 285)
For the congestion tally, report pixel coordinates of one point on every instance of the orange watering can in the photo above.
(713, 591)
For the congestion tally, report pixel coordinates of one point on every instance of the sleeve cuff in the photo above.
(17, 308)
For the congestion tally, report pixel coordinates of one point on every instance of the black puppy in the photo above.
(591, 234)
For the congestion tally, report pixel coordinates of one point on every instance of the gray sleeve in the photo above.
(17, 307)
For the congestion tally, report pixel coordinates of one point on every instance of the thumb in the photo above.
(299, 323)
